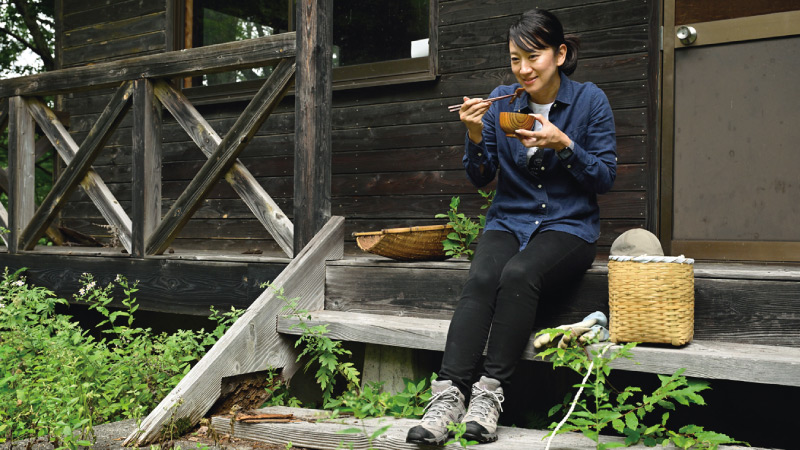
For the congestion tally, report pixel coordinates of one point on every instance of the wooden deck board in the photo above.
(710, 360)
(313, 431)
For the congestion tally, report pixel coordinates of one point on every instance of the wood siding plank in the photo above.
(117, 29)
(92, 183)
(224, 156)
(239, 177)
(252, 343)
(78, 167)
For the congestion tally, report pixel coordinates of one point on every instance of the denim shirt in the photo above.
(552, 194)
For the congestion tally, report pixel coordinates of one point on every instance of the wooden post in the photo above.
(312, 160)
(21, 167)
(145, 165)
(390, 365)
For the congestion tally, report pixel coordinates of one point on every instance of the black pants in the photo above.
(500, 298)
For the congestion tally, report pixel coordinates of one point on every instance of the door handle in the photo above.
(686, 34)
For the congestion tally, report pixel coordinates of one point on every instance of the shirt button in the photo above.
(537, 222)
(544, 206)
(480, 154)
(569, 166)
(542, 167)
(539, 186)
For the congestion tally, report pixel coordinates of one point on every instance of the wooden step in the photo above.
(741, 303)
(703, 359)
(315, 430)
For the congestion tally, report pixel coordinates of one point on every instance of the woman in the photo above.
(541, 229)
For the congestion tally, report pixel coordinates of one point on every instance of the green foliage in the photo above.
(458, 430)
(465, 230)
(26, 25)
(326, 355)
(628, 412)
(60, 381)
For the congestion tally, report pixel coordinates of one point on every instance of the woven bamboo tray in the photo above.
(406, 244)
(651, 302)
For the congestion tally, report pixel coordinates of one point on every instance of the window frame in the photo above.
(399, 71)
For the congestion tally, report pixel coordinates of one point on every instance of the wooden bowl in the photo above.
(510, 121)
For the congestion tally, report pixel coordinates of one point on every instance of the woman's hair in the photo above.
(539, 29)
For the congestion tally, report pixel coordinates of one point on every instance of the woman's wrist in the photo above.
(476, 136)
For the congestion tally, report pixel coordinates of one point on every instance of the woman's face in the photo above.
(537, 72)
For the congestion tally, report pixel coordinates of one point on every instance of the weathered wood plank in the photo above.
(239, 177)
(598, 16)
(87, 15)
(108, 50)
(78, 167)
(190, 62)
(118, 29)
(252, 343)
(702, 359)
(92, 183)
(4, 224)
(21, 167)
(181, 284)
(146, 165)
(3, 114)
(313, 94)
(224, 156)
(460, 11)
(318, 433)
(594, 44)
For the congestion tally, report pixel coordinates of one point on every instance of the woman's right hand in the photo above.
(471, 113)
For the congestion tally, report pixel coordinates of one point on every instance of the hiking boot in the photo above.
(446, 406)
(484, 410)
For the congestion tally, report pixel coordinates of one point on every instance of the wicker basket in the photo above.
(406, 244)
(651, 301)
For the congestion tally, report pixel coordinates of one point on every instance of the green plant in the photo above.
(458, 430)
(363, 430)
(59, 380)
(320, 349)
(626, 411)
(465, 230)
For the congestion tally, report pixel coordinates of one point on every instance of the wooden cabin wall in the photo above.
(396, 150)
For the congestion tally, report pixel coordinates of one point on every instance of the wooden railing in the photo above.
(142, 85)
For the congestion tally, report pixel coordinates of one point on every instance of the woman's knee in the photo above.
(518, 277)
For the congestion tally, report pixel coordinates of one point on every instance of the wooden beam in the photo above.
(312, 160)
(252, 343)
(91, 183)
(241, 180)
(704, 359)
(78, 167)
(145, 165)
(185, 63)
(3, 114)
(21, 168)
(4, 224)
(224, 156)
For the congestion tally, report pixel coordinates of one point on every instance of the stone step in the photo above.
(315, 429)
(703, 359)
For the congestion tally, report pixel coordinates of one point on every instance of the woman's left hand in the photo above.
(550, 136)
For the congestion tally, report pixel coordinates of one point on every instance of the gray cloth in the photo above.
(636, 242)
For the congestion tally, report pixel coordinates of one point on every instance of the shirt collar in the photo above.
(564, 95)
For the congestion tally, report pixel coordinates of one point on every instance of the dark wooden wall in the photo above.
(396, 150)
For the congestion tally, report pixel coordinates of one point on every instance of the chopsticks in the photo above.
(454, 108)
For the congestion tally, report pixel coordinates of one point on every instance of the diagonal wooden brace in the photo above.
(241, 180)
(92, 184)
(78, 168)
(224, 156)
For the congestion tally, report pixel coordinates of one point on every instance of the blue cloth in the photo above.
(553, 194)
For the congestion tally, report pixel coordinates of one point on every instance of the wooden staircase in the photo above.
(738, 309)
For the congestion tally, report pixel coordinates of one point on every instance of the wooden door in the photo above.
(730, 184)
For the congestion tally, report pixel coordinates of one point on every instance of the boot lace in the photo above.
(440, 403)
(483, 401)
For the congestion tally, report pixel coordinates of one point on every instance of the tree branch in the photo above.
(41, 46)
(17, 38)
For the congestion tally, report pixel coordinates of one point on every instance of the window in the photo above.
(373, 42)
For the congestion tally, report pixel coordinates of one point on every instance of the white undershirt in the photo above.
(544, 110)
